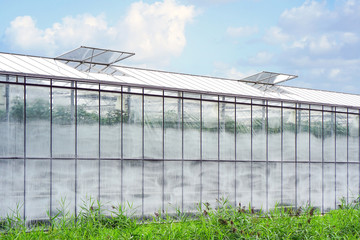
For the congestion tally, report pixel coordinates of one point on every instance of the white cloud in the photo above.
(153, 31)
(241, 31)
(275, 35)
(261, 58)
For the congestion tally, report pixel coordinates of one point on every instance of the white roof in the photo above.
(52, 68)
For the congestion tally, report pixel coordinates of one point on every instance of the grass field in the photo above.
(211, 222)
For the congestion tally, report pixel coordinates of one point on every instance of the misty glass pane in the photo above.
(87, 182)
(132, 126)
(259, 133)
(354, 188)
(259, 185)
(191, 117)
(63, 186)
(243, 183)
(110, 124)
(303, 135)
(110, 183)
(341, 137)
(210, 179)
(227, 131)
(227, 182)
(63, 122)
(11, 120)
(316, 136)
(341, 182)
(316, 185)
(289, 128)
(191, 185)
(173, 185)
(37, 200)
(132, 185)
(209, 130)
(303, 180)
(153, 127)
(274, 181)
(289, 184)
(153, 187)
(274, 133)
(329, 186)
(88, 123)
(329, 137)
(353, 138)
(37, 122)
(243, 132)
(173, 128)
(11, 186)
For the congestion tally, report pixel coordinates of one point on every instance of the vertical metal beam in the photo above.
(322, 160)
(99, 146)
(309, 123)
(218, 147)
(182, 151)
(122, 148)
(76, 144)
(347, 156)
(25, 149)
(235, 151)
(335, 154)
(251, 153)
(51, 146)
(282, 151)
(163, 152)
(201, 157)
(143, 156)
(296, 160)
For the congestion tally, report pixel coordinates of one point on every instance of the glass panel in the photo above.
(37, 201)
(11, 120)
(303, 188)
(132, 185)
(341, 182)
(37, 122)
(353, 138)
(259, 133)
(289, 184)
(110, 124)
(173, 128)
(191, 115)
(259, 185)
(243, 132)
(63, 186)
(316, 185)
(11, 186)
(110, 183)
(173, 186)
(153, 127)
(41, 81)
(191, 185)
(227, 182)
(329, 186)
(227, 131)
(209, 130)
(210, 180)
(63, 123)
(274, 134)
(329, 137)
(87, 182)
(243, 183)
(354, 188)
(316, 136)
(303, 135)
(341, 137)
(274, 181)
(132, 126)
(289, 118)
(153, 187)
(88, 123)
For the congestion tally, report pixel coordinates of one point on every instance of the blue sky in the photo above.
(317, 40)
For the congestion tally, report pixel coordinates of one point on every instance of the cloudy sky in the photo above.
(317, 40)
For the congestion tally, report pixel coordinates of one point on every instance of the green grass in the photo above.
(222, 222)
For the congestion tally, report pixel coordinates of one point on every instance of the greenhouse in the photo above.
(82, 126)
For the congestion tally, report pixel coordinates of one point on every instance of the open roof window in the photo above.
(269, 78)
(89, 59)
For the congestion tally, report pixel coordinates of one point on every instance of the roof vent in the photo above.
(269, 78)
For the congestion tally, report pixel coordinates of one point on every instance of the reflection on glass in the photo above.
(259, 133)
(88, 123)
(353, 138)
(289, 119)
(11, 120)
(153, 182)
(37, 121)
(274, 134)
(243, 132)
(153, 127)
(227, 131)
(132, 124)
(209, 130)
(173, 128)
(191, 116)
(341, 137)
(110, 124)
(316, 136)
(329, 137)
(303, 135)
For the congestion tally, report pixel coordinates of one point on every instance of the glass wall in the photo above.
(69, 142)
